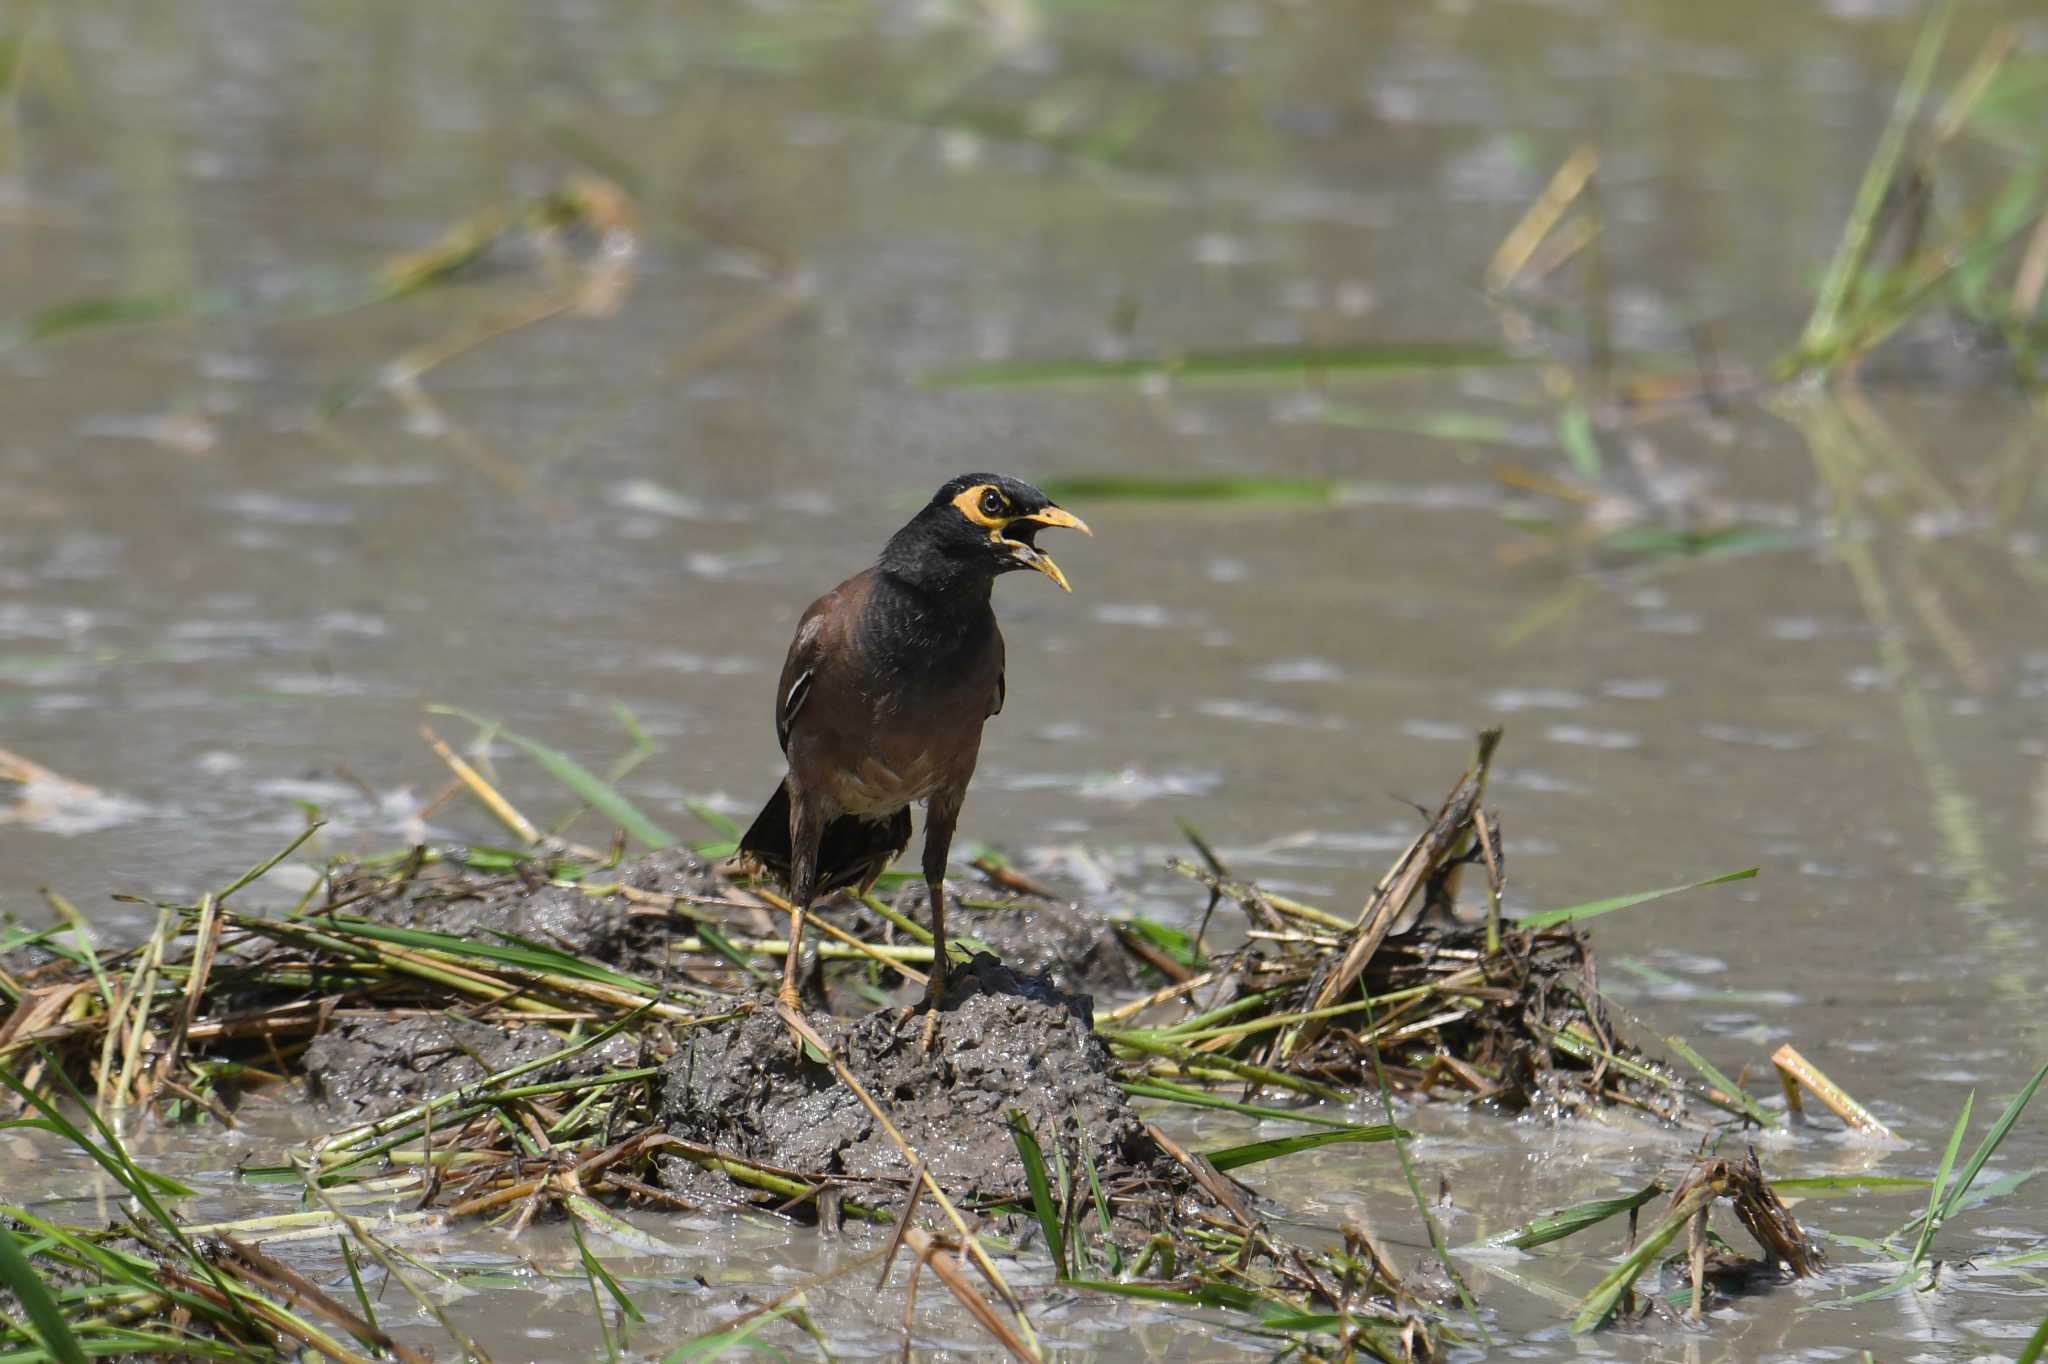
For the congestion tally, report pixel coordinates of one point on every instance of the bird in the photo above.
(882, 699)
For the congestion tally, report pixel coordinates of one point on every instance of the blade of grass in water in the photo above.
(1252, 1152)
(47, 1319)
(1975, 1164)
(1551, 918)
(1726, 542)
(1575, 433)
(716, 1344)
(84, 314)
(2037, 1344)
(588, 787)
(1172, 1093)
(1713, 1075)
(1852, 254)
(1596, 1306)
(1845, 1183)
(1102, 1220)
(1287, 362)
(1429, 1223)
(1446, 424)
(1565, 1222)
(598, 1274)
(1041, 1189)
(1931, 1222)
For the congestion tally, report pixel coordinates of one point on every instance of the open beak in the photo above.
(1031, 555)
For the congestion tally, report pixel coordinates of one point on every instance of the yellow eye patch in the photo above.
(971, 506)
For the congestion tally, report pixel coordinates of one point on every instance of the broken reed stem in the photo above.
(801, 1028)
(505, 812)
(1520, 244)
(1795, 1072)
(1447, 829)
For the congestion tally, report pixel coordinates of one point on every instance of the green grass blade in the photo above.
(722, 825)
(83, 314)
(1597, 1305)
(1581, 445)
(33, 1294)
(1936, 1195)
(136, 1180)
(1858, 236)
(1550, 918)
(612, 1227)
(1253, 1152)
(593, 790)
(355, 1280)
(713, 1344)
(2037, 1344)
(1448, 424)
(1844, 1183)
(1555, 1226)
(1041, 1190)
(509, 951)
(588, 787)
(1997, 1134)
(1279, 362)
(1102, 1219)
(1197, 1098)
(594, 1269)
(1712, 1075)
(1429, 1223)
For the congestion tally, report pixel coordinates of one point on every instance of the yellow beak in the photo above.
(1058, 516)
(1038, 558)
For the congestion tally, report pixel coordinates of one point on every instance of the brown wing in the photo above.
(824, 622)
(1002, 678)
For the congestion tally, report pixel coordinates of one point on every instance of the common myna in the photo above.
(883, 696)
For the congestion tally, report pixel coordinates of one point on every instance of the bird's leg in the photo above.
(806, 827)
(938, 842)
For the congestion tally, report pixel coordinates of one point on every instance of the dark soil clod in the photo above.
(1006, 1041)
(367, 1068)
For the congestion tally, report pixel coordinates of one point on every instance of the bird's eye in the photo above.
(992, 502)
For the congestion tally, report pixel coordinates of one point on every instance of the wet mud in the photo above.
(1070, 948)
(1006, 1042)
(617, 930)
(366, 1069)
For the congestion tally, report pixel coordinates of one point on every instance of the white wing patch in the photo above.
(799, 692)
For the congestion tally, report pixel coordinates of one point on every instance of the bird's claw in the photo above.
(788, 1000)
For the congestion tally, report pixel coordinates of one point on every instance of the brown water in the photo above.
(217, 602)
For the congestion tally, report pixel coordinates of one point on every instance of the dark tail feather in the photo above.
(853, 852)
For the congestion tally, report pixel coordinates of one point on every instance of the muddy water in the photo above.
(234, 567)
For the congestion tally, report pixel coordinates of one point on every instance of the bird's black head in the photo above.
(976, 526)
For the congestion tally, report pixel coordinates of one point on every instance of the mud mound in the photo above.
(1006, 1042)
(602, 929)
(1068, 948)
(367, 1068)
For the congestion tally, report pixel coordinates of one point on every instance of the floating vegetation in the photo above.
(1279, 362)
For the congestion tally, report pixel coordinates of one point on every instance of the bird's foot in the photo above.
(787, 1001)
(934, 1000)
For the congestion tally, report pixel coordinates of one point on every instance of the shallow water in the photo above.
(220, 604)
